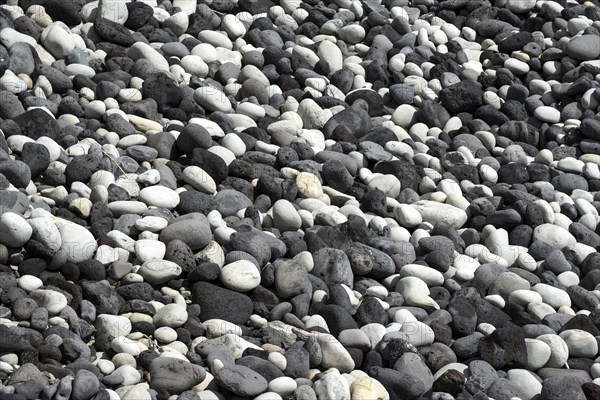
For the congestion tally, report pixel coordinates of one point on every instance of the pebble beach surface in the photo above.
(299, 200)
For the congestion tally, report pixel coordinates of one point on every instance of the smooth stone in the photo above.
(554, 235)
(241, 380)
(580, 343)
(157, 272)
(171, 315)
(149, 249)
(140, 50)
(241, 276)
(199, 179)
(159, 196)
(174, 376)
(559, 350)
(538, 354)
(432, 211)
(51, 300)
(285, 216)
(77, 242)
(14, 230)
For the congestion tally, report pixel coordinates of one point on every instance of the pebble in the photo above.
(240, 276)
(339, 200)
(14, 230)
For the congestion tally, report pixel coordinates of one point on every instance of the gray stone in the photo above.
(173, 375)
(85, 385)
(241, 381)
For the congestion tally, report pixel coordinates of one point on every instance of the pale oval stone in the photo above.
(309, 185)
(78, 243)
(159, 196)
(151, 223)
(137, 392)
(194, 65)
(171, 315)
(165, 334)
(241, 276)
(233, 142)
(141, 50)
(14, 230)
(417, 333)
(432, 211)
(580, 343)
(368, 388)
(538, 353)
(30, 282)
(332, 55)
(352, 34)
(552, 296)
(51, 300)
(554, 235)
(212, 99)
(407, 216)
(125, 345)
(547, 114)
(523, 297)
(218, 327)
(388, 184)
(559, 350)
(283, 386)
(334, 354)
(525, 381)
(199, 179)
(159, 271)
(146, 250)
(428, 275)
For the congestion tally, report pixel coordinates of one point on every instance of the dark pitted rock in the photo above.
(36, 123)
(161, 88)
(408, 174)
(464, 317)
(504, 347)
(356, 120)
(451, 381)
(19, 339)
(562, 387)
(113, 32)
(241, 381)
(265, 368)
(194, 201)
(338, 319)
(136, 291)
(102, 296)
(333, 266)
(433, 114)
(399, 385)
(181, 254)
(465, 96)
(590, 127)
(513, 173)
(17, 172)
(67, 12)
(502, 388)
(60, 82)
(218, 302)
(10, 106)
